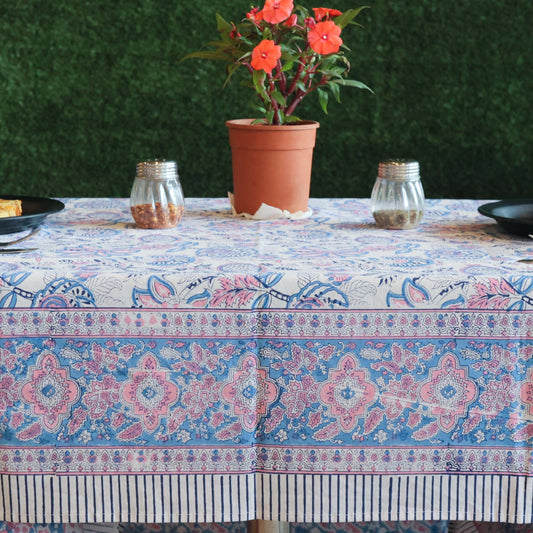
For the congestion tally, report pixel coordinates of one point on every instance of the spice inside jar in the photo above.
(156, 200)
(397, 218)
(156, 216)
(397, 199)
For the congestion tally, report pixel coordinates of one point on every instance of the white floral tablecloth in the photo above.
(318, 370)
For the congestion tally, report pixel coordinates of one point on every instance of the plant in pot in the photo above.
(287, 52)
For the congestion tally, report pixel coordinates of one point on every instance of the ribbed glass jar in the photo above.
(156, 199)
(397, 199)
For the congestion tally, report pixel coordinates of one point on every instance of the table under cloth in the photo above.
(316, 370)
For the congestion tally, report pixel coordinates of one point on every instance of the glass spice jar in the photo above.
(156, 199)
(397, 200)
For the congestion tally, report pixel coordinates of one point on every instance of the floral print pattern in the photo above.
(348, 393)
(50, 391)
(310, 347)
(147, 391)
(306, 264)
(250, 392)
(449, 392)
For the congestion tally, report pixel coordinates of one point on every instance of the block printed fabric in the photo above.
(319, 370)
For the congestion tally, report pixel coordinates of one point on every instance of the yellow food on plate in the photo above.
(10, 208)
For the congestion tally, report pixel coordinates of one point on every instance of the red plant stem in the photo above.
(272, 101)
(300, 96)
(249, 67)
(290, 110)
(282, 78)
(311, 70)
(299, 71)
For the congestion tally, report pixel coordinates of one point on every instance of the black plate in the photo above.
(34, 210)
(515, 216)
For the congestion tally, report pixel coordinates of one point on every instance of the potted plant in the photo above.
(287, 52)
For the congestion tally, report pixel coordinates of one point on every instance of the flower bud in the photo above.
(291, 21)
(234, 33)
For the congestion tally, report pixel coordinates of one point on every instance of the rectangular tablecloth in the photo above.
(317, 370)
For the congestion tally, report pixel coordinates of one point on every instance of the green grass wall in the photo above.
(89, 88)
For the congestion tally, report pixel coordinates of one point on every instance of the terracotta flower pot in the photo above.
(271, 164)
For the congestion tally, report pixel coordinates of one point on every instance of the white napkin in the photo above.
(267, 212)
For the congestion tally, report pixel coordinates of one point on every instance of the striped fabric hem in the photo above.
(363, 498)
(123, 498)
(279, 497)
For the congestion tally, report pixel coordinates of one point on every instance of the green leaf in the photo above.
(348, 16)
(328, 62)
(323, 100)
(205, 54)
(231, 69)
(335, 91)
(279, 98)
(267, 34)
(354, 83)
(222, 25)
(258, 108)
(287, 66)
(217, 44)
(344, 60)
(247, 41)
(292, 118)
(259, 77)
(241, 58)
(336, 72)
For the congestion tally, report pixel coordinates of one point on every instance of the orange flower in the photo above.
(276, 11)
(255, 15)
(324, 38)
(324, 13)
(265, 55)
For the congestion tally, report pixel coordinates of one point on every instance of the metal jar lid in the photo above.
(157, 170)
(399, 169)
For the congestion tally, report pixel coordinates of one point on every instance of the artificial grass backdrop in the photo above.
(91, 87)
